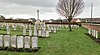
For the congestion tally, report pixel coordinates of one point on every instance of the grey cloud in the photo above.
(39, 3)
(15, 7)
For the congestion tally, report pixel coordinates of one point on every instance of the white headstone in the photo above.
(43, 33)
(57, 28)
(35, 33)
(30, 32)
(34, 27)
(13, 41)
(92, 32)
(26, 26)
(6, 40)
(47, 33)
(54, 29)
(34, 42)
(20, 41)
(24, 30)
(39, 32)
(89, 31)
(49, 28)
(1, 44)
(27, 41)
(8, 29)
(96, 34)
(14, 27)
(2, 26)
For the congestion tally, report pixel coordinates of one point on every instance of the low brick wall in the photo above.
(91, 26)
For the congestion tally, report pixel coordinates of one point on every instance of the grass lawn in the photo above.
(64, 43)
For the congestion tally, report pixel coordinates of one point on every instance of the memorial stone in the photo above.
(20, 41)
(13, 41)
(34, 42)
(27, 42)
(6, 40)
(1, 40)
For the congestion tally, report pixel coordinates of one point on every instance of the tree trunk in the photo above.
(69, 22)
(70, 29)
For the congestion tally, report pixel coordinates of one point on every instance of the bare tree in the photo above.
(70, 9)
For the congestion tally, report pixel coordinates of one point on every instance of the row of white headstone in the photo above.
(53, 28)
(94, 33)
(13, 25)
(72, 26)
(18, 41)
(45, 30)
(24, 26)
(41, 33)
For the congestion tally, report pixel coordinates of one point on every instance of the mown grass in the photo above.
(64, 43)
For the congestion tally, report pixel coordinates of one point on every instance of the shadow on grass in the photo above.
(13, 49)
(93, 38)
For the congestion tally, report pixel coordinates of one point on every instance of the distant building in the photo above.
(78, 21)
(95, 20)
(15, 21)
(32, 19)
(92, 20)
(2, 17)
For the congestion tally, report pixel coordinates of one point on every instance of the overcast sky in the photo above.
(27, 8)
